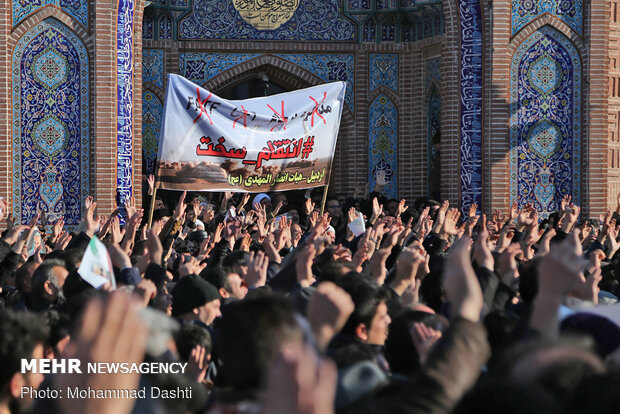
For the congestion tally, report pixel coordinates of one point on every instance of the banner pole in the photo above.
(324, 198)
(152, 207)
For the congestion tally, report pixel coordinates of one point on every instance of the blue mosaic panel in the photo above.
(165, 27)
(147, 27)
(124, 135)
(471, 102)
(50, 123)
(200, 67)
(78, 9)
(152, 112)
(383, 143)
(312, 20)
(153, 67)
(545, 121)
(383, 71)
(369, 31)
(388, 31)
(569, 11)
(358, 4)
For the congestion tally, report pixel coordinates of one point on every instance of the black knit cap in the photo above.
(191, 292)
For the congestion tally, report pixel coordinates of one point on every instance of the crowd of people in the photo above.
(374, 306)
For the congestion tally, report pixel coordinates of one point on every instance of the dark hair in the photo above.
(251, 332)
(399, 348)
(23, 276)
(366, 298)
(189, 336)
(236, 258)
(21, 332)
(59, 326)
(217, 276)
(44, 273)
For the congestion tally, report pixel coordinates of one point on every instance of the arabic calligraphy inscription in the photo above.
(266, 14)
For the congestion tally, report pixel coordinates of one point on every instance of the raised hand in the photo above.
(197, 364)
(460, 282)
(154, 247)
(449, 226)
(303, 265)
(257, 269)
(441, 216)
(150, 180)
(299, 383)
(507, 264)
(482, 253)
(309, 206)
(423, 339)
(328, 311)
(377, 210)
(180, 207)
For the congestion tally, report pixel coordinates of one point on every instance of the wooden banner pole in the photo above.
(152, 207)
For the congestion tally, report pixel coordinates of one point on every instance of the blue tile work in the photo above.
(569, 11)
(124, 136)
(50, 123)
(471, 59)
(165, 27)
(319, 20)
(76, 8)
(152, 112)
(545, 121)
(200, 67)
(359, 4)
(153, 67)
(147, 27)
(383, 143)
(369, 31)
(383, 69)
(388, 31)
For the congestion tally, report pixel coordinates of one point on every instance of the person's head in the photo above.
(296, 233)
(264, 200)
(190, 336)
(59, 327)
(195, 299)
(159, 203)
(252, 331)
(48, 280)
(369, 321)
(237, 262)
(279, 197)
(23, 277)
(391, 207)
(334, 208)
(400, 350)
(23, 336)
(330, 232)
(228, 283)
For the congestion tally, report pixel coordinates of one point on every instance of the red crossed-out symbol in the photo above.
(244, 117)
(281, 118)
(201, 105)
(316, 109)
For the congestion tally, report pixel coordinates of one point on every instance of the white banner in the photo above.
(278, 142)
